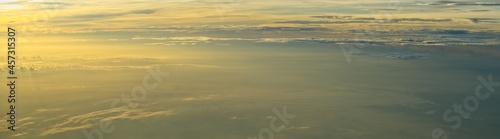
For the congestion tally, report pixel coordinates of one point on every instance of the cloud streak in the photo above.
(88, 120)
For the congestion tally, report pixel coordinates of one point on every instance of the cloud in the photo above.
(64, 129)
(56, 63)
(91, 119)
(47, 110)
(483, 20)
(359, 36)
(358, 20)
(110, 15)
(176, 41)
(331, 17)
(296, 127)
(404, 56)
(189, 99)
(148, 11)
(480, 10)
(284, 28)
(462, 3)
(318, 22)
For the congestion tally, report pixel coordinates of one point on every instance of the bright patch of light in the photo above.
(7, 0)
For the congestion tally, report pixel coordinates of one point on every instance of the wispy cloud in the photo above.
(110, 15)
(88, 120)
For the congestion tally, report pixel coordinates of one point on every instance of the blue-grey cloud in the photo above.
(351, 19)
(463, 3)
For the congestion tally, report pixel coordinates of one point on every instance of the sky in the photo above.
(352, 69)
